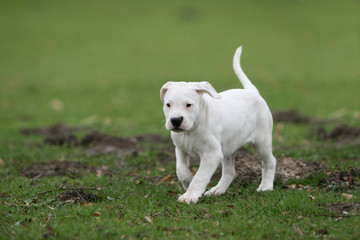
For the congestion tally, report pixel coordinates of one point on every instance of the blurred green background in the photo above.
(103, 62)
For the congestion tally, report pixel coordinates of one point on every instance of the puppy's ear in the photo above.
(164, 89)
(201, 87)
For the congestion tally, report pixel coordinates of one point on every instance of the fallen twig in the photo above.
(48, 220)
(266, 207)
(64, 183)
(297, 229)
(80, 196)
(70, 189)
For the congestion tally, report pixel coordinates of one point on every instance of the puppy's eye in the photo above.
(188, 105)
(168, 105)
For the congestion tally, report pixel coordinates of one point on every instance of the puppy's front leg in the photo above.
(208, 164)
(183, 168)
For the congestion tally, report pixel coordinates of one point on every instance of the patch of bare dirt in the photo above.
(56, 134)
(64, 168)
(290, 116)
(339, 180)
(248, 167)
(63, 140)
(349, 208)
(77, 196)
(96, 143)
(57, 129)
(56, 168)
(339, 132)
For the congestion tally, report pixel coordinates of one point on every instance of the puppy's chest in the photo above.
(191, 145)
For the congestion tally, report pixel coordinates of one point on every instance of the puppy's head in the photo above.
(182, 103)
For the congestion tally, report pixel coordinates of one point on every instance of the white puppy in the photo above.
(211, 127)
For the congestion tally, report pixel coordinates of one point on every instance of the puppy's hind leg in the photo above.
(228, 175)
(264, 149)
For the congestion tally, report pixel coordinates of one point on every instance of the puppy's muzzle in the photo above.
(176, 121)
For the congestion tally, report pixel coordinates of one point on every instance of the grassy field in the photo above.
(101, 64)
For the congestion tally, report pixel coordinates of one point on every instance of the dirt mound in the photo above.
(64, 140)
(93, 143)
(291, 116)
(58, 129)
(56, 134)
(341, 180)
(339, 132)
(96, 143)
(248, 167)
(56, 168)
(77, 196)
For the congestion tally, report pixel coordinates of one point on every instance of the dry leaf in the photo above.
(339, 218)
(172, 193)
(99, 172)
(1, 162)
(312, 197)
(148, 219)
(347, 196)
(297, 229)
(166, 178)
(97, 214)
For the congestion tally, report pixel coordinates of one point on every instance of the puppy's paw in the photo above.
(189, 197)
(265, 187)
(215, 191)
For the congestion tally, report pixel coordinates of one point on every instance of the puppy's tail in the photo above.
(240, 73)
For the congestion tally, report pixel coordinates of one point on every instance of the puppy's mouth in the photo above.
(177, 129)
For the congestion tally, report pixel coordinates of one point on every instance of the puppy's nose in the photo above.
(176, 121)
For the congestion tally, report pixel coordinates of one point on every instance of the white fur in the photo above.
(214, 126)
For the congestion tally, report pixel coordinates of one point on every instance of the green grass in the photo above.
(106, 62)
